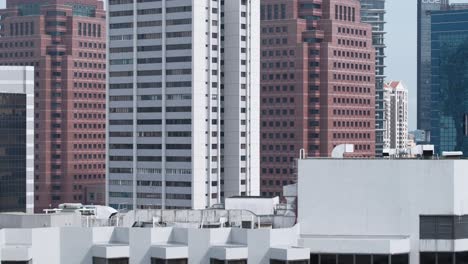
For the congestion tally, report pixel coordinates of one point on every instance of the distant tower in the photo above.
(373, 12)
(65, 41)
(317, 84)
(396, 113)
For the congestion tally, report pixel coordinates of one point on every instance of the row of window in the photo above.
(90, 85)
(276, 182)
(272, 171)
(354, 43)
(351, 112)
(17, 54)
(283, 112)
(89, 156)
(273, 12)
(91, 45)
(87, 65)
(275, 54)
(82, 55)
(354, 66)
(351, 89)
(351, 124)
(88, 106)
(283, 88)
(172, 196)
(285, 76)
(149, 97)
(101, 76)
(88, 136)
(283, 29)
(88, 166)
(147, 85)
(89, 30)
(90, 126)
(351, 135)
(83, 115)
(89, 95)
(88, 177)
(351, 77)
(352, 31)
(90, 146)
(351, 54)
(151, 183)
(22, 29)
(345, 13)
(361, 101)
(273, 41)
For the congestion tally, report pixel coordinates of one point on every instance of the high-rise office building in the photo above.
(317, 85)
(183, 119)
(66, 42)
(449, 91)
(425, 8)
(396, 116)
(16, 139)
(373, 12)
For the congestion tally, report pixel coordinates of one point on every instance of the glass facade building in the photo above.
(13, 152)
(449, 82)
(425, 10)
(16, 139)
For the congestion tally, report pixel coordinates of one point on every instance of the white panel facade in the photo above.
(182, 103)
(357, 206)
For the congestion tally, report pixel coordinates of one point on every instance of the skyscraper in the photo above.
(425, 9)
(317, 84)
(396, 116)
(373, 12)
(183, 120)
(65, 41)
(449, 71)
(17, 139)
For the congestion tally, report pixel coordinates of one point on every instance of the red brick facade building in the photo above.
(65, 40)
(318, 84)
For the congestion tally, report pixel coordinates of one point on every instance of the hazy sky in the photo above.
(401, 46)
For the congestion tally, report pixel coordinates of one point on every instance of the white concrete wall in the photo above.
(378, 197)
(75, 245)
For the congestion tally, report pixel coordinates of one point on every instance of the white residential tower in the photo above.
(183, 100)
(396, 116)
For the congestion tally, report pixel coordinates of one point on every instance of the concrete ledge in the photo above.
(169, 251)
(229, 252)
(16, 253)
(356, 244)
(289, 253)
(109, 251)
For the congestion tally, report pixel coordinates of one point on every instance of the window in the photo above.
(97, 260)
(168, 261)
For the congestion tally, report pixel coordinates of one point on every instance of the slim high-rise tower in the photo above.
(396, 116)
(183, 99)
(373, 12)
(317, 85)
(65, 41)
